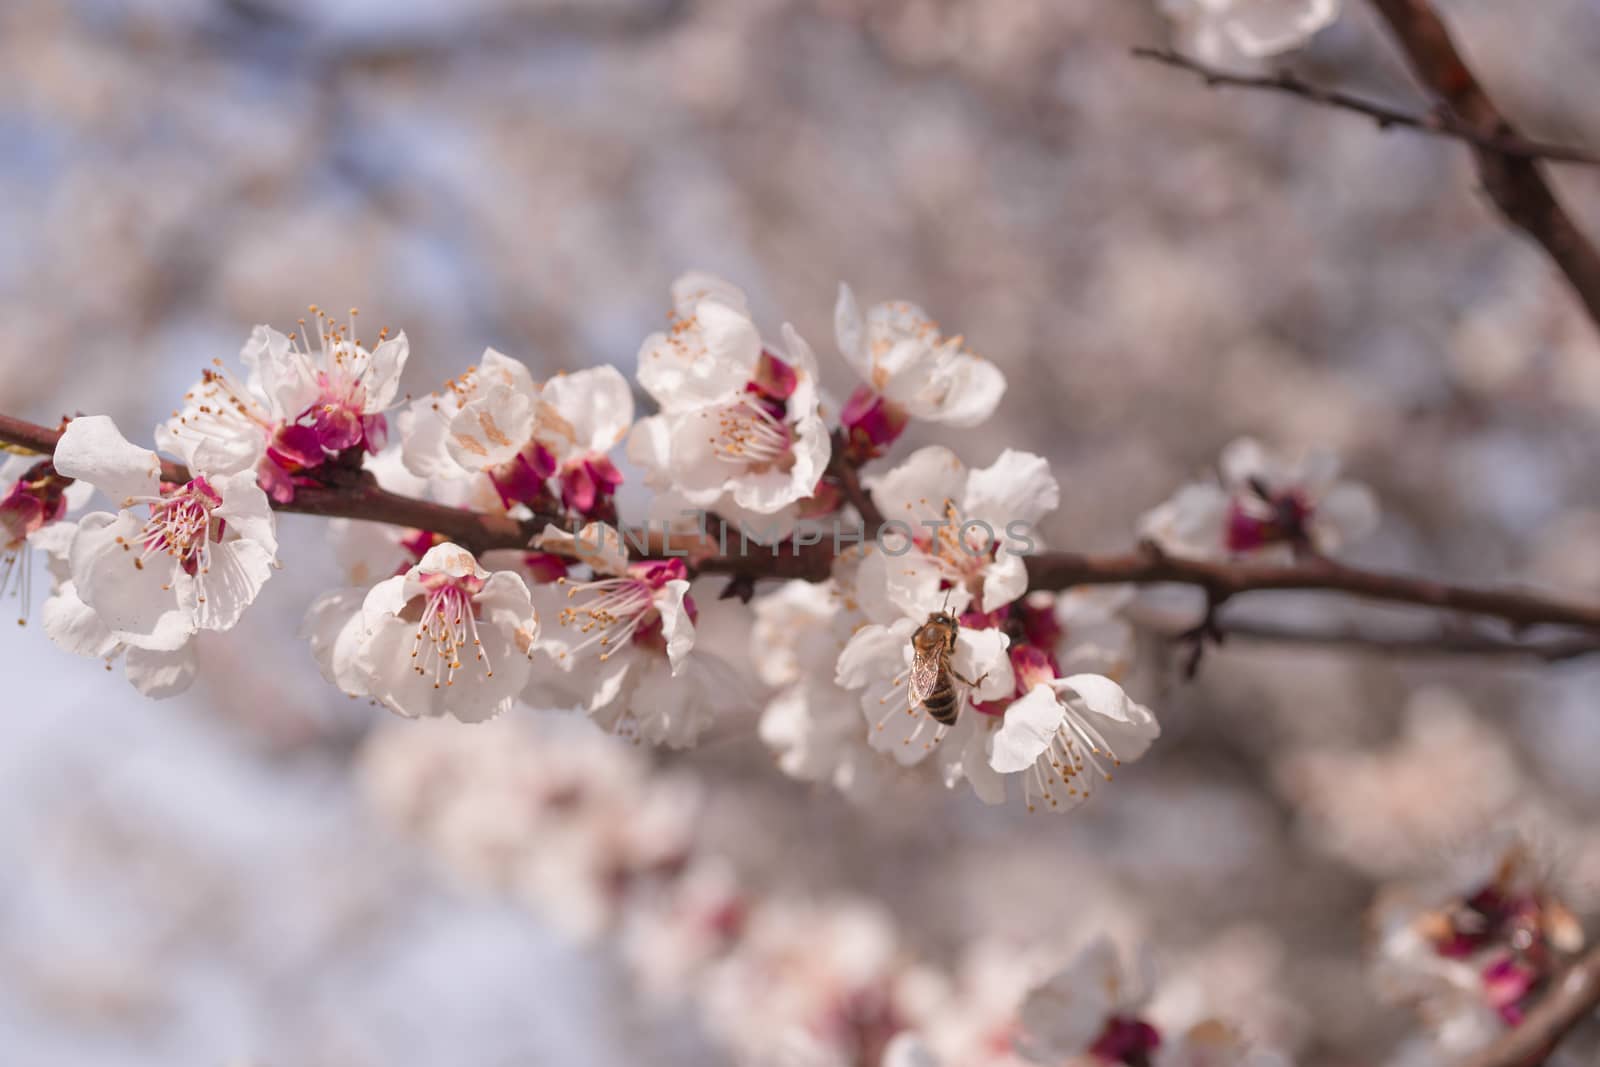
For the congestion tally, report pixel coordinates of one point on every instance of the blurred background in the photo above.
(1156, 267)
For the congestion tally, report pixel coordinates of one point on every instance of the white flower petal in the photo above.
(279, 373)
(1262, 28)
(676, 626)
(975, 388)
(334, 628)
(906, 1049)
(692, 287)
(140, 605)
(1192, 523)
(912, 584)
(1245, 460)
(1128, 728)
(1347, 513)
(977, 764)
(492, 429)
(916, 491)
(850, 332)
(450, 559)
(384, 368)
(1004, 580)
(1017, 487)
(870, 651)
(981, 656)
(93, 450)
(1063, 1017)
(73, 625)
(229, 584)
(1027, 731)
(597, 544)
(597, 402)
(246, 509)
(159, 675)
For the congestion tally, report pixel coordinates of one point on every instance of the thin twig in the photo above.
(1437, 123)
(1386, 642)
(1572, 997)
(1514, 182)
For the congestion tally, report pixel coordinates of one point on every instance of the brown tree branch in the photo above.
(1515, 183)
(1388, 643)
(1225, 580)
(1572, 997)
(849, 479)
(1436, 123)
(1220, 580)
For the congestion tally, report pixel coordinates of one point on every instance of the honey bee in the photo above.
(931, 648)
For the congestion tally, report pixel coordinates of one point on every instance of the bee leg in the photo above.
(966, 681)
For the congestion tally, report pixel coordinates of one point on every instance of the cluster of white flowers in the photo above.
(1473, 955)
(582, 832)
(932, 598)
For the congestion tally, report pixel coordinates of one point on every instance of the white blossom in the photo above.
(445, 638)
(908, 364)
(954, 537)
(1264, 505)
(425, 423)
(740, 427)
(877, 664)
(34, 499)
(620, 643)
(810, 722)
(296, 409)
(174, 559)
(1065, 734)
(1094, 1004)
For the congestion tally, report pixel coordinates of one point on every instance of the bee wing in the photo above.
(924, 679)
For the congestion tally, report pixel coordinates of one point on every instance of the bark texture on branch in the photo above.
(1515, 183)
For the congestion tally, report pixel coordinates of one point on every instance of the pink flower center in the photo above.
(524, 479)
(1126, 1041)
(623, 609)
(182, 526)
(1507, 985)
(749, 434)
(1491, 916)
(544, 567)
(861, 1022)
(588, 485)
(1267, 518)
(35, 499)
(871, 424)
(961, 549)
(1032, 666)
(416, 544)
(754, 431)
(447, 628)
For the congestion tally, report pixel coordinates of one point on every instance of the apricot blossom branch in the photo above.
(1047, 571)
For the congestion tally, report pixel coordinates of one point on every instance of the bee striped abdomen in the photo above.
(942, 705)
